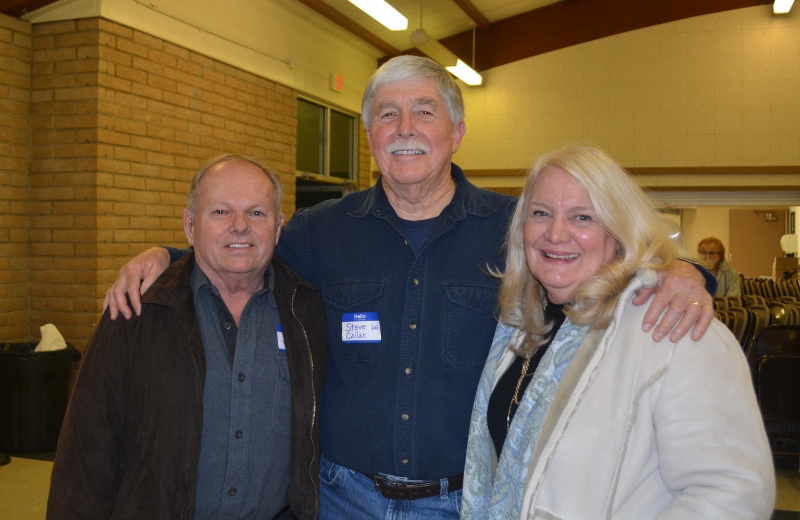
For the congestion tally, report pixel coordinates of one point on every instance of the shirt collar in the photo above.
(200, 280)
(467, 199)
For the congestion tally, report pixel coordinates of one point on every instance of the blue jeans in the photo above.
(346, 494)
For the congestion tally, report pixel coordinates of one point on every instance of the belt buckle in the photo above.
(404, 490)
(381, 480)
(399, 490)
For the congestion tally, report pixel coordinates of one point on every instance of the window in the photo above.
(310, 137)
(326, 164)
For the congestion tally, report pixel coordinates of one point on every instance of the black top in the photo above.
(498, 415)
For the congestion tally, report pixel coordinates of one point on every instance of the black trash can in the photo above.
(33, 396)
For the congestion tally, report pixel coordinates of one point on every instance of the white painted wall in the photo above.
(796, 211)
(702, 222)
(715, 90)
(281, 40)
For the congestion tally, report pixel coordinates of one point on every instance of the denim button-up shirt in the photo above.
(401, 404)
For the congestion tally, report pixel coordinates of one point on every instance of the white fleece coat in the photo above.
(639, 430)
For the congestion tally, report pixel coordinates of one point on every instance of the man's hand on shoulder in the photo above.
(133, 279)
(681, 301)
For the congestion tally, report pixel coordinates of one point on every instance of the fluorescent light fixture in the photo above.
(383, 13)
(444, 57)
(782, 6)
(465, 73)
(433, 49)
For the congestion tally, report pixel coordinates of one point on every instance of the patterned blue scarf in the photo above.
(499, 496)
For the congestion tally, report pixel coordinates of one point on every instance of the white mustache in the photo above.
(407, 145)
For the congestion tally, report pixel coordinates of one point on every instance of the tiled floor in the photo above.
(23, 488)
(787, 501)
(25, 481)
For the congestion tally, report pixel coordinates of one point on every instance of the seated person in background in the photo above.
(205, 405)
(579, 413)
(713, 252)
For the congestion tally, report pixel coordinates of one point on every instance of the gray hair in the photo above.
(194, 189)
(410, 68)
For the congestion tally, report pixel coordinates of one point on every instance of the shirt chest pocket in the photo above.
(355, 295)
(282, 401)
(469, 324)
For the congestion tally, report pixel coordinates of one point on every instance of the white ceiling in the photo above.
(440, 18)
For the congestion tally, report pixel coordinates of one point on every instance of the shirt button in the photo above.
(413, 326)
(404, 460)
(232, 491)
(240, 377)
(404, 416)
(238, 434)
(408, 370)
(405, 241)
(227, 325)
(416, 282)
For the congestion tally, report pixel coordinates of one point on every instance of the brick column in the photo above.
(121, 122)
(65, 124)
(15, 70)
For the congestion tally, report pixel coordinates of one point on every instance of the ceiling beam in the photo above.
(475, 15)
(21, 7)
(571, 22)
(338, 18)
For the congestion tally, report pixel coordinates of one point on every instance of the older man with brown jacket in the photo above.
(205, 405)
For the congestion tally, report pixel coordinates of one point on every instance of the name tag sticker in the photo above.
(281, 343)
(361, 327)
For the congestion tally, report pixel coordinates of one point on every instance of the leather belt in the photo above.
(411, 491)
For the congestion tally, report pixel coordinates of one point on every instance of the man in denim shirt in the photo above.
(403, 268)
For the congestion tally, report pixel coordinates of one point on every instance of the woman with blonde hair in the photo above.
(579, 413)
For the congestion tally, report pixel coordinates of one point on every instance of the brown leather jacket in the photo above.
(130, 443)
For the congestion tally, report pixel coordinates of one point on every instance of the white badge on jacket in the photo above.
(361, 327)
(281, 343)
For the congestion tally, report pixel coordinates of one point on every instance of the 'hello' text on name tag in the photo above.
(360, 327)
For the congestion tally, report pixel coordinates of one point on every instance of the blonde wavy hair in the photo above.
(622, 209)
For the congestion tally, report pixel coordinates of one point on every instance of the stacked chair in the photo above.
(777, 382)
(771, 342)
(774, 303)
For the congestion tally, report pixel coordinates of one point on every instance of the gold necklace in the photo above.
(515, 399)
(525, 365)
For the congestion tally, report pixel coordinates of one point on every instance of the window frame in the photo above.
(325, 176)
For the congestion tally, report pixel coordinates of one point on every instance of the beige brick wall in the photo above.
(121, 121)
(63, 177)
(15, 69)
(364, 159)
(101, 130)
